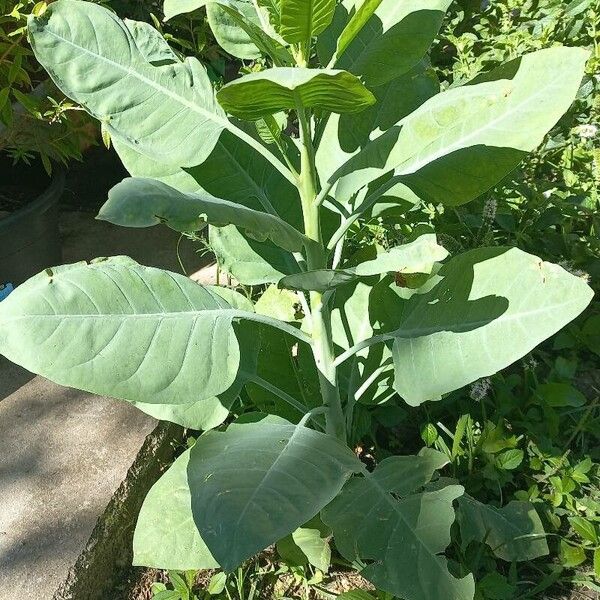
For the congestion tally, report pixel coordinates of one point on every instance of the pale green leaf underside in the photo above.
(138, 202)
(404, 539)
(493, 306)
(166, 536)
(463, 141)
(283, 88)
(514, 532)
(301, 20)
(104, 327)
(416, 257)
(167, 112)
(256, 483)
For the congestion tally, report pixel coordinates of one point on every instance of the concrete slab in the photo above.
(63, 453)
(85, 238)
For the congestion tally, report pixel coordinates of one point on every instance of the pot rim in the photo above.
(51, 195)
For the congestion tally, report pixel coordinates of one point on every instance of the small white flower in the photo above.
(489, 209)
(479, 389)
(586, 131)
(547, 194)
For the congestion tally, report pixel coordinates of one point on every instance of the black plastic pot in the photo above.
(29, 236)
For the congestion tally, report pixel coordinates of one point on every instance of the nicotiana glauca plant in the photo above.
(329, 331)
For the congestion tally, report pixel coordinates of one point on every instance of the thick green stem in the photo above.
(317, 259)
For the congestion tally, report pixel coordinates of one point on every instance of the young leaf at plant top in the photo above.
(285, 88)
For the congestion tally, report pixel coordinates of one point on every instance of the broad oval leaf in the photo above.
(166, 536)
(465, 140)
(302, 20)
(403, 540)
(492, 306)
(283, 88)
(513, 532)
(138, 202)
(166, 112)
(105, 328)
(255, 483)
(387, 44)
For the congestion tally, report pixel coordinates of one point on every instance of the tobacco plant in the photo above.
(343, 118)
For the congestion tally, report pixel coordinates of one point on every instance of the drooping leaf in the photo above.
(513, 532)
(257, 482)
(138, 202)
(491, 307)
(166, 112)
(403, 540)
(281, 88)
(462, 142)
(386, 45)
(106, 327)
(418, 256)
(302, 20)
(166, 536)
(248, 261)
(236, 25)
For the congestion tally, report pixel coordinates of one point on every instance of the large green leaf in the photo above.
(236, 172)
(166, 536)
(345, 135)
(403, 540)
(416, 257)
(386, 45)
(138, 202)
(465, 140)
(302, 20)
(107, 327)
(211, 412)
(166, 112)
(513, 532)
(492, 306)
(283, 88)
(257, 482)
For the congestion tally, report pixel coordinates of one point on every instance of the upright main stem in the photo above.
(317, 259)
